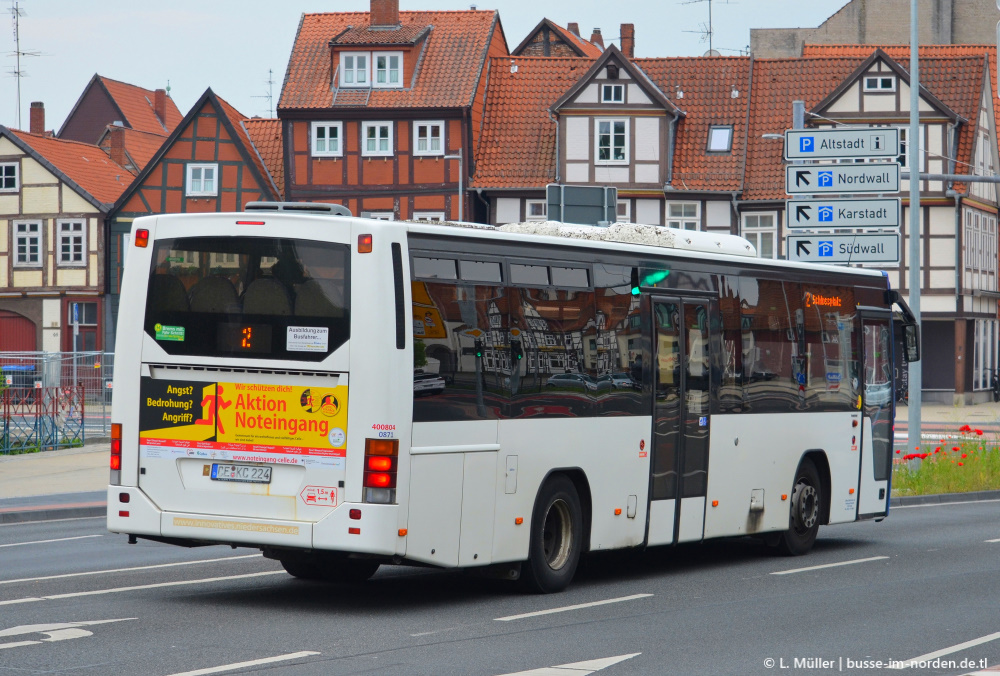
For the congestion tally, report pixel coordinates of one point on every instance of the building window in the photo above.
(762, 231)
(535, 210)
(612, 93)
(985, 353)
(327, 139)
(879, 83)
(624, 211)
(72, 243)
(612, 141)
(8, 177)
(904, 150)
(387, 69)
(428, 138)
(201, 180)
(28, 244)
(980, 250)
(720, 139)
(379, 215)
(377, 138)
(354, 69)
(430, 216)
(683, 215)
(86, 313)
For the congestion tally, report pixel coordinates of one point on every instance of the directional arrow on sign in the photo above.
(800, 247)
(801, 211)
(802, 177)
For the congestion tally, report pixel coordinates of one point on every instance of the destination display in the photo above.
(841, 179)
(859, 248)
(881, 212)
(841, 142)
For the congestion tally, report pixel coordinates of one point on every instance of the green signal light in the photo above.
(654, 277)
(635, 290)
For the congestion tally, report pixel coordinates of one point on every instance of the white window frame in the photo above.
(388, 84)
(429, 216)
(880, 80)
(28, 236)
(681, 221)
(327, 126)
(439, 125)
(365, 126)
(201, 191)
(349, 76)
(754, 232)
(625, 217)
(70, 235)
(3, 178)
(528, 216)
(597, 140)
(711, 135)
(380, 215)
(904, 155)
(612, 88)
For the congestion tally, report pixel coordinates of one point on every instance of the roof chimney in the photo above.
(160, 105)
(37, 118)
(596, 39)
(573, 28)
(628, 40)
(385, 13)
(117, 152)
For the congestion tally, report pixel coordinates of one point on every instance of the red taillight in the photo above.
(249, 222)
(380, 480)
(380, 469)
(364, 243)
(116, 445)
(380, 463)
(142, 238)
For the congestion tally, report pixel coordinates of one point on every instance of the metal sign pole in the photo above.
(913, 159)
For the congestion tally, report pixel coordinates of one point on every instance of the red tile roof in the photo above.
(139, 145)
(956, 81)
(447, 73)
(237, 118)
(588, 48)
(136, 104)
(406, 34)
(86, 165)
(266, 136)
(517, 148)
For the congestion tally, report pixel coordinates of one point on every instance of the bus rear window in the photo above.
(249, 296)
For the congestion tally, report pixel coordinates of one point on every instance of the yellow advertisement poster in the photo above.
(244, 421)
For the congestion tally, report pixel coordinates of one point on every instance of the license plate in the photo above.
(252, 474)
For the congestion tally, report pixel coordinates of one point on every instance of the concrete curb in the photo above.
(81, 510)
(942, 498)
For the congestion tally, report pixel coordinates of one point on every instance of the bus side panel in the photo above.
(762, 451)
(870, 501)
(610, 453)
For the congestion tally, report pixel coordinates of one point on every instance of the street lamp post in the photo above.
(461, 185)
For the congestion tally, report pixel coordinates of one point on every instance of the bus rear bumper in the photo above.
(375, 532)
(138, 516)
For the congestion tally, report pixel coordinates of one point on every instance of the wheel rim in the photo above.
(806, 506)
(557, 534)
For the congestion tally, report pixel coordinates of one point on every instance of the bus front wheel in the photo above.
(556, 537)
(803, 523)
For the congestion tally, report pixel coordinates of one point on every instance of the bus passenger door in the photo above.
(878, 397)
(681, 381)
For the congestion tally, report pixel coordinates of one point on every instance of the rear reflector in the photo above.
(124, 497)
(123, 513)
(355, 514)
(142, 238)
(354, 531)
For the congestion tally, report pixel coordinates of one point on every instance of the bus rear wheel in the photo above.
(329, 568)
(803, 525)
(556, 537)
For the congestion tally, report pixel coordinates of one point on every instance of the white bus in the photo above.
(342, 392)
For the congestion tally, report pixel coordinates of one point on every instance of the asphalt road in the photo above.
(77, 600)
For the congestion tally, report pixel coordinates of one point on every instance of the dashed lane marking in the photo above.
(43, 542)
(126, 570)
(906, 664)
(578, 606)
(248, 663)
(576, 668)
(828, 565)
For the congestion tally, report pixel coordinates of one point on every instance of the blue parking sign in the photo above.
(807, 144)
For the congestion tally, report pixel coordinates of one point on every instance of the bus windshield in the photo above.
(254, 296)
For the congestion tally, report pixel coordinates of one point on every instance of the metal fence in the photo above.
(56, 378)
(41, 418)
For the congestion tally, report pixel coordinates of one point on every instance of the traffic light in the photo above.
(479, 349)
(650, 278)
(635, 281)
(515, 350)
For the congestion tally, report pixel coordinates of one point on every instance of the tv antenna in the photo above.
(270, 93)
(16, 13)
(706, 31)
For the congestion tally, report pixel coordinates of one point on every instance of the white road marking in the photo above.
(576, 668)
(567, 608)
(42, 542)
(828, 565)
(126, 570)
(60, 631)
(997, 540)
(436, 631)
(249, 663)
(942, 504)
(98, 592)
(35, 523)
(906, 664)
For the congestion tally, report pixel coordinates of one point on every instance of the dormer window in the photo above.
(879, 83)
(720, 139)
(612, 71)
(612, 93)
(354, 69)
(387, 69)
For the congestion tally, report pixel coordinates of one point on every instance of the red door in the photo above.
(17, 333)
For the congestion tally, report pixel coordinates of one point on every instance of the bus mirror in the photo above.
(911, 341)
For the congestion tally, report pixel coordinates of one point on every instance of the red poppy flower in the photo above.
(960, 464)
(964, 454)
(964, 428)
(898, 451)
(979, 432)
(955, 449)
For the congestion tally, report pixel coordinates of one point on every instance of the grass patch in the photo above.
(969, 463)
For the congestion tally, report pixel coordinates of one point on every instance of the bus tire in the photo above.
(803, 520)
(556, 537)
(330, 569)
